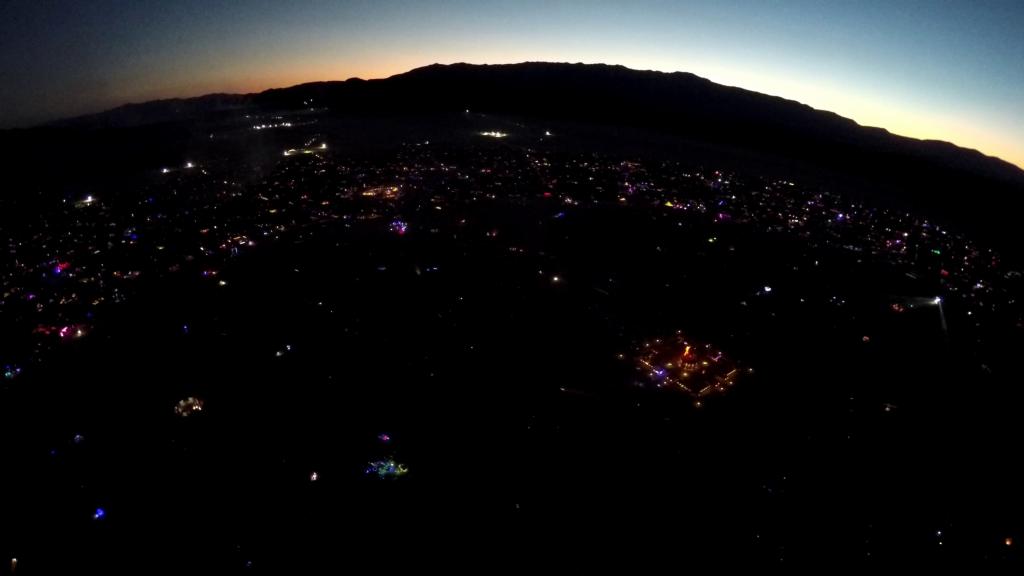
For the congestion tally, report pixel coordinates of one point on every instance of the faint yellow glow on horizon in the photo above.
(899, 118)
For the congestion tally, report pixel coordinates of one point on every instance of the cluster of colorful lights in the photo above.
(399, 227)
(678, 363)
(188, 406)
(386, 192)
(386, 468)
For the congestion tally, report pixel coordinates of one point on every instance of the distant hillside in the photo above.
(679, 103)
(674, 102)
(946, 178)
(157, 112)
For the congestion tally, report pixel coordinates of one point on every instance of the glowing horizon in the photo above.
(859, 109)
(944, 72)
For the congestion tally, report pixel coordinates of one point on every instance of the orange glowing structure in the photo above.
(677, 363)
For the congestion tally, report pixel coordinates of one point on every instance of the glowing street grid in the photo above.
(679, 363)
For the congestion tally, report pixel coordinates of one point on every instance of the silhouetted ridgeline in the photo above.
(947, 180)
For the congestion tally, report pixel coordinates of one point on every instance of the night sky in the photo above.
(941, 69)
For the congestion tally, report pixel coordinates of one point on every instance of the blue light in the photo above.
(99, 514)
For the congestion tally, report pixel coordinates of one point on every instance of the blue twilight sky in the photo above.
(952, 70)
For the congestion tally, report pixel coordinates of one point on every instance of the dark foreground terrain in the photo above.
(408, 333)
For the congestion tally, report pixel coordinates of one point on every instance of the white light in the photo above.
(189, 165)
(88, 199)
(547, 133)
(323, 146)
(937, 301)
(768, 289)
(164, 171)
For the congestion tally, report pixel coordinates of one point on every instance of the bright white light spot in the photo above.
(937, 301)
(768, 289)
(189, 165)
(547, 133)
(323, 146)
(164, 171)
